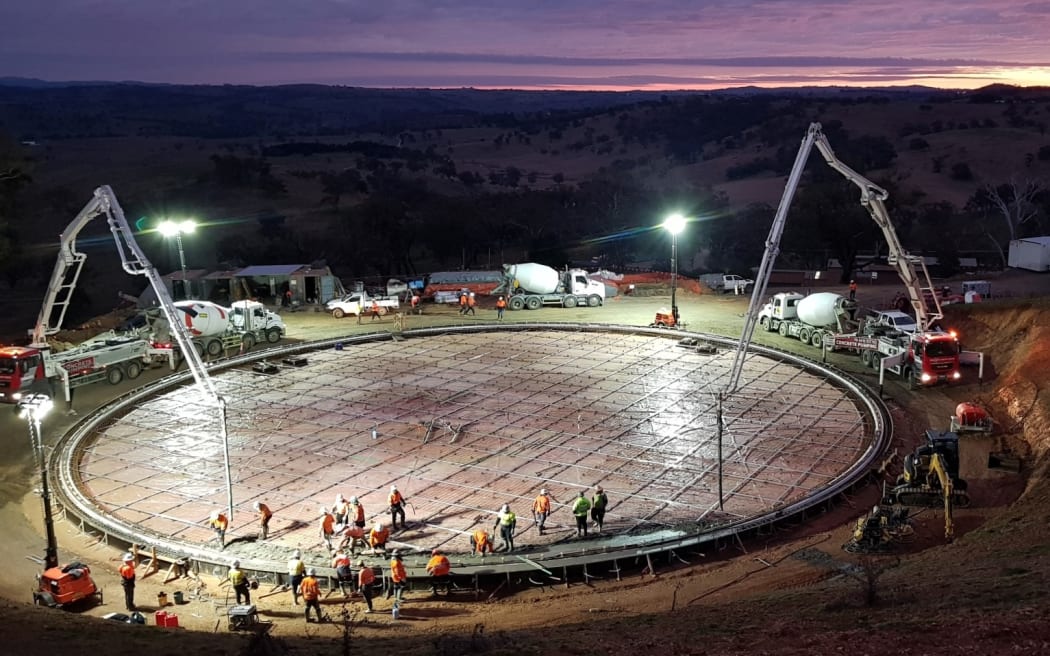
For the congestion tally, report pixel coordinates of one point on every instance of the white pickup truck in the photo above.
(357, 303)
(724, 283)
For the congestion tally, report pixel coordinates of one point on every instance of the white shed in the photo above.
(1032, 253)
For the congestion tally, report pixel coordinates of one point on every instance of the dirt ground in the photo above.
(791, 592)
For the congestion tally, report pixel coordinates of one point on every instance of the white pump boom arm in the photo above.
(908, 266)
(872, 197)
(134, 261)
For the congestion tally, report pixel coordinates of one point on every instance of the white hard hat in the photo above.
(311, 572)
(353, 499)
(379, 526)
(215, 514)
(255, 505)
(297, 554)
(339, 497)
(340, 555)
(543, 491)
(393, 488)
(505, 508)
(128, 557)
(324, 511)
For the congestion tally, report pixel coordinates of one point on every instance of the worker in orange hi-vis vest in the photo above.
(480, 542)
(127, 581)
(399, 576)
(501, 306)
(311, 592)
(471, 302)
(366, 578)
(326, 527)
(375, 310)
(440, 571)
(219, 523)
(265, 514)
(397, 507)
(357, 512)
(378, 536)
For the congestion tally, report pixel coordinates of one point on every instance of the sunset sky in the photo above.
(537, 44)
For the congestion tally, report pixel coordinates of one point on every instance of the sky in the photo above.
(531, 44)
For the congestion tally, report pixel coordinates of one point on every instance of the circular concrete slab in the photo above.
(464, 422)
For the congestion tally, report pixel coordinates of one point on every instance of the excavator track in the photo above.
(927, 498)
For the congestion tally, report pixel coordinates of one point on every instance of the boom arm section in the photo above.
(938, 467)
(873, 198)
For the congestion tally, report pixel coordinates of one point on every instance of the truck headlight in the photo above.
(956, 375)
(925, 377)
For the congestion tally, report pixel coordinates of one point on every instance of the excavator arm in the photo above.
(939, 468)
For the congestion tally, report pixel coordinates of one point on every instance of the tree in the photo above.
(1014, 202)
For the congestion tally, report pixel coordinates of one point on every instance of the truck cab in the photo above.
(20, 369)
(781, 307)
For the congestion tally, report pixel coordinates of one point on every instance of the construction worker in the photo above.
(343, 573)
(341, 509)
(357, 512)
(366, 578)
(599, 502)
(327, 527)
(375, 310)
(501, 306)
(463, 302)
(416, 309)
(579, 509)
(541, 509)
(399, 577)
(852, 290)
(480, 542)
(239, 581)
(296, 571)
(219, 523)
(471, 302)
(127, 581)
(397, 507)
(264, 518)
(353, 537)
(378, 536)
(505, 522)
(440, 571)
(311, 592)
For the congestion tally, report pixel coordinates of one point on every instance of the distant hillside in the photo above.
(447, 179)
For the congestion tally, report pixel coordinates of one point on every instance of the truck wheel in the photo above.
(338, 313)
(248, 342)
(569, 302)
(533, 303)
(133, 370)
(783, 329)
(594, 301)
(817, 339)
(803, 335)
(516, 303)
(114, 375)
(273, 335)
(865, 358)
(214, 348)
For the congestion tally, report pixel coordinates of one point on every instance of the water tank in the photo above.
(202, 318)
(822, 309)
(535, 278)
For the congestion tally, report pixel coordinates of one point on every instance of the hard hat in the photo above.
(379, 526)
(435, 552)
(543, 491)
(255, 505)
(581, 493)
(505, 508)
(501, 298)
(340, 555)
(297, 554)
(397, 554)
(393, 488)
(311, 572)
(353, 499)
(215, 514)
(338, 497)
(324, 511)
(235, 563)
(128, 558)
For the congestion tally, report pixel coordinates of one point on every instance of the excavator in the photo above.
(931, 478)
(879, 530)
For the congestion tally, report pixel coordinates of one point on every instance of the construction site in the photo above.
(463, 420)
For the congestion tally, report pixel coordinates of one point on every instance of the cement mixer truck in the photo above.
(530, 286)
(214, 329)
(808, 318)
